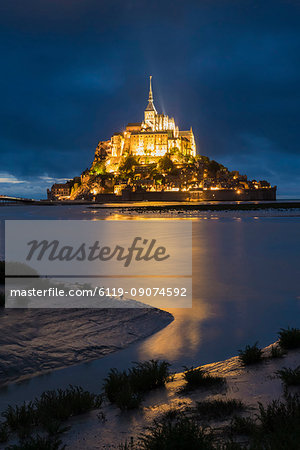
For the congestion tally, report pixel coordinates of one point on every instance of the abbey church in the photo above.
(151, 139)
(153, 160)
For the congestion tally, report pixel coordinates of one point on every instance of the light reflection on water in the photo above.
(183, 337)
(245, 288)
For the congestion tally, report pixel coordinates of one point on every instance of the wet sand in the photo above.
(35, 342)
(252, 384)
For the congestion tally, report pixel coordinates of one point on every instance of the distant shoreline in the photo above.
(168, 206)
(204, 207)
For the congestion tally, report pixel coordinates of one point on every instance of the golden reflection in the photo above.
(183, 335)
(118, 216)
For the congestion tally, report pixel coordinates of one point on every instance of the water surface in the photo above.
(246, 276)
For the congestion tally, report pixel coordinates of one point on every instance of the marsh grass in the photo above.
(243, 426)
(275, 427)
(38, 443)
(289, 338)
(197, 377)
(55, 428)
(48, 411)
(183, 433)
(279, 424)
(61, 404)
(251, 354)
(21, 418)
(178, 433)
(4, 433)
(290, 377)
(126, 388)
(231, 445)
(277, 352)
(127, 445)
(149, 375)
(126, 398)
(219, 409)
(171, 414)
(114, 383)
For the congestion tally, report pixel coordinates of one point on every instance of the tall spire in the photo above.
(150, 90)
(150, 106)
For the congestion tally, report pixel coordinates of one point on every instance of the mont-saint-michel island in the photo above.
(154, 160)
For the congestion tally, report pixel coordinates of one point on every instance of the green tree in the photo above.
(174, 150)
(98, 168)
(127, 165)
(202, 159)
(165, 164)
(213, 168)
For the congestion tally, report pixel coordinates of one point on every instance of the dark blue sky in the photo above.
(73, 72)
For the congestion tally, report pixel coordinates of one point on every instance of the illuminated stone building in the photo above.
(153, 138)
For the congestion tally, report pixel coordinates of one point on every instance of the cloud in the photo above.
(75, 72)
(261, 159)
(31, 187)
(8, 178)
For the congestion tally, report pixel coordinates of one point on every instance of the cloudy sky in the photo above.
(73, 72)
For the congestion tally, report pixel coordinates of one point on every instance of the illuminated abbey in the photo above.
(153, 160)
(151, 139)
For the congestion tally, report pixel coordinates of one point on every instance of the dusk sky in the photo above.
(73, 72)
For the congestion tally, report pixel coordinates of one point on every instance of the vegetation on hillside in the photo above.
(174, 170)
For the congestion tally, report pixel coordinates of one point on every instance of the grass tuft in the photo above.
(243, 426)
(279, 414)
(127, 445)
(114, 383)
(217, 409)
(149, 375)
(181, 434)
(61, 404)
(171, 414)
(196, 377)
(276, 426)
(276, 352)
(126, 398)
(289, 338)
(48, 411)
(126, 389)
(250, 355)
(20, 418)
(4, 433)
(231, 445)
(38, 443)
(290, 377)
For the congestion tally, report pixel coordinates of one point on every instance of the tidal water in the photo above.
(246, 286)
